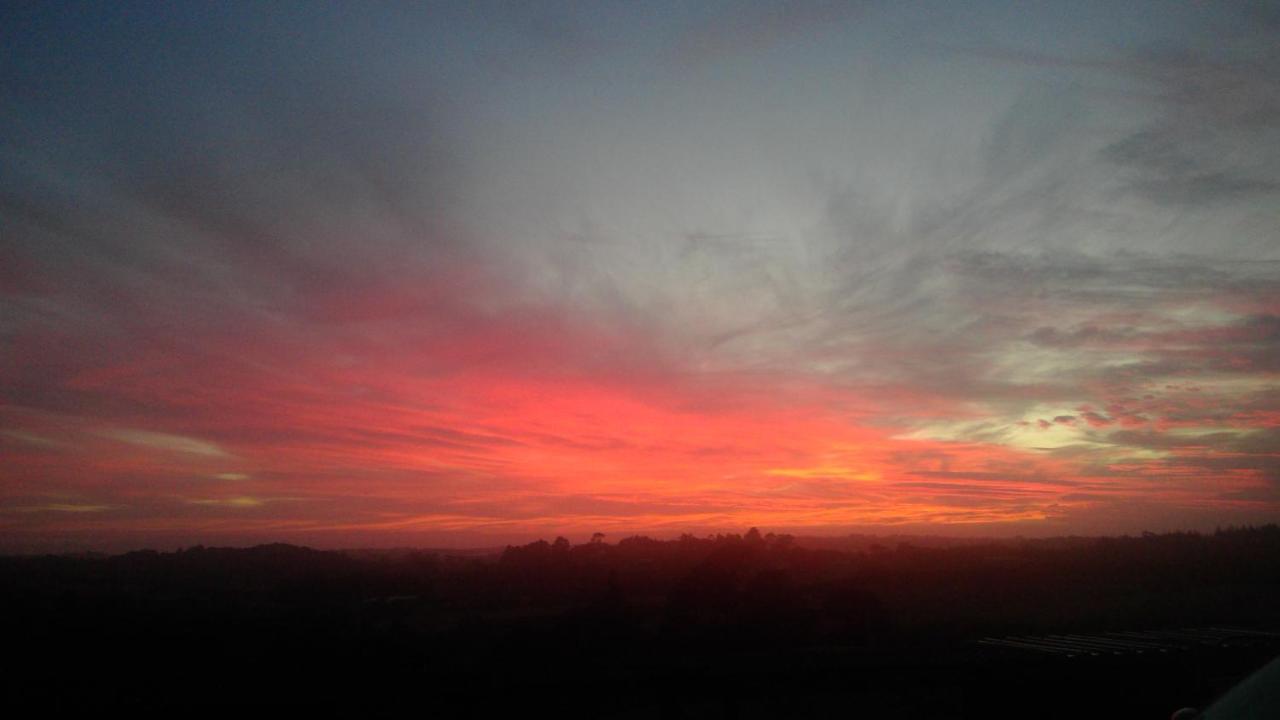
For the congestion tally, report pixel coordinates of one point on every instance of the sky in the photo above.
(461, 274)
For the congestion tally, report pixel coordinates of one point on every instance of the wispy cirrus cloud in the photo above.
(167, 443)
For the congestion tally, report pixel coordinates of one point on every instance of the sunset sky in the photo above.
(472, 273)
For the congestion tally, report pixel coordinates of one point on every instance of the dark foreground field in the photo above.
(733, 626)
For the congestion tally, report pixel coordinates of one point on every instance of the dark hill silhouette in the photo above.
(756, 625)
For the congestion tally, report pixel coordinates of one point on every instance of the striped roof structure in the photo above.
(1133, 643)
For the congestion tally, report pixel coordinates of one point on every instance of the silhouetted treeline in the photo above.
(621, 627)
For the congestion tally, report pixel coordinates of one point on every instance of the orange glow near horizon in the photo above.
(372, 444)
